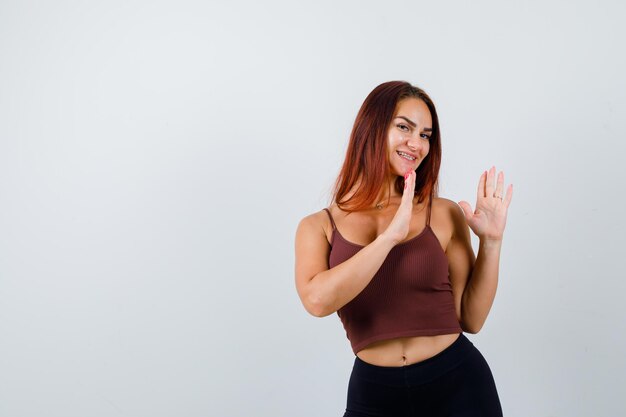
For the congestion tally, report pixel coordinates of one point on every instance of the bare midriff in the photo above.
(404, 351)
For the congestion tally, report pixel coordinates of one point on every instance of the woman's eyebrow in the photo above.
(412, 123)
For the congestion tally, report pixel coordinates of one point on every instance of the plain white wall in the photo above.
(156, 157)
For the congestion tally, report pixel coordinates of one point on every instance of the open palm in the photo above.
(489, 218)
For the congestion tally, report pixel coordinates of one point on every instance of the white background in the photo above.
(156, 158)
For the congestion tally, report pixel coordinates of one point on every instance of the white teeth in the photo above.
(406, 156)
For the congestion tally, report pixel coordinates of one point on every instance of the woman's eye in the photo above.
(401, 126)
(426, 136)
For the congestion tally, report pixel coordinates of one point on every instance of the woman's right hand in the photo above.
(398, 229)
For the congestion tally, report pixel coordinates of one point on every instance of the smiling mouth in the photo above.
(405, 156)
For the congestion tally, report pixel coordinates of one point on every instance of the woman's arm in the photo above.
(481, 290)
(475, 281)
(324, 291)
(461, 259)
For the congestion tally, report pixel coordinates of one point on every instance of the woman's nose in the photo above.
(413, 143)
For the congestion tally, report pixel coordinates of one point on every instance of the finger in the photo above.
(509, 196)
(500, 185)
(409, 192)
(409, 185)
(489, 183)
(481, 185)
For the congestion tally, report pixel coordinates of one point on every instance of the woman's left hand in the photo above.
(489, 219)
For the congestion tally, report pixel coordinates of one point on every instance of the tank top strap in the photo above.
(331, 218)
(430, 208)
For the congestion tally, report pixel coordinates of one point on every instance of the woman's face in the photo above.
(409, 132)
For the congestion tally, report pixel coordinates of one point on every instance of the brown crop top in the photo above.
(410, 294)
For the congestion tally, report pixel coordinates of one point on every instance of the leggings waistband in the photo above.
(419, 372)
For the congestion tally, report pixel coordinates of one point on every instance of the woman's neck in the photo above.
(386, 197)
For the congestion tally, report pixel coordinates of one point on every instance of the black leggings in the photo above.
(457, 382)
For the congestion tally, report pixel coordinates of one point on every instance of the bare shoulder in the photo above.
(447, 219)
(316, 224)
(445, 209)
(450, 212)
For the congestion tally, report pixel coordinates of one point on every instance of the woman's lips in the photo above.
(405, 159)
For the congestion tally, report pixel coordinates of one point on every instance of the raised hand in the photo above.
(489, 218)
(398, 229)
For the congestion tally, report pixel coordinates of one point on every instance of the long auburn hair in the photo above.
(367, 153)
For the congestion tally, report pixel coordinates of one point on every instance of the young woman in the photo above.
(395, 261)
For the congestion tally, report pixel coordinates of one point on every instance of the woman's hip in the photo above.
(456, 379)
